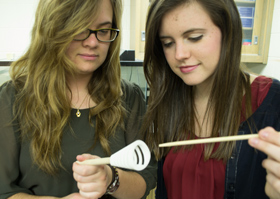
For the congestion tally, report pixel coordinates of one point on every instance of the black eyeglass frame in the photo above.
(95, 32)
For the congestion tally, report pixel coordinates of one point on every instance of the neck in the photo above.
(202, 91)
(78, 83)
(201, 98)
(78, 93)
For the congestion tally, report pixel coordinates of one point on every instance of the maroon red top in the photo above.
(188, 176)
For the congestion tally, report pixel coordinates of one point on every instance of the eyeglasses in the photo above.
(103, 35)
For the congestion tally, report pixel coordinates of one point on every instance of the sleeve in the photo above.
(136, 107)
(161, 192)
(9, 145)
(259, 90)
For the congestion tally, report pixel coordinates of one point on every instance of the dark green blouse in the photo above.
(19, 174)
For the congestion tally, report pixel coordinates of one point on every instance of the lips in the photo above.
(89, 57)
(188, 69)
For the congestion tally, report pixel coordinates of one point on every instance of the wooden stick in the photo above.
(209, 140)
(98, 161)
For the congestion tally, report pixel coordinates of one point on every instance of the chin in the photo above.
(191, 83)
(86, 70)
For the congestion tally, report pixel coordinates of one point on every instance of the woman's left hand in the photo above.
(269, 143)
(92, 180)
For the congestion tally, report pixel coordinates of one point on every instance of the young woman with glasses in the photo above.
(198, 90)
(67, 102)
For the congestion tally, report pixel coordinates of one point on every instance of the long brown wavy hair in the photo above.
(166, 120)
(42, 105)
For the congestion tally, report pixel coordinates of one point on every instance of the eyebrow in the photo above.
(105, 23)
(186, 32)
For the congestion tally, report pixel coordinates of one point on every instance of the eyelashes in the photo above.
(195, 38)
(169, 43)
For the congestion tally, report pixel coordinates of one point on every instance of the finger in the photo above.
(83, 170)
(91, 195)
(86, 173)
(273, 186)
(92, 187)
(84, 179)
(99, 176)
(270, 135)
(272, 166)
(86, 170)
(266, 146)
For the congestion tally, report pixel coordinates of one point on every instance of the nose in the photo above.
(182, 51)
(91, 41)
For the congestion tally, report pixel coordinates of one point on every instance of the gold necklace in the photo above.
(78, 113)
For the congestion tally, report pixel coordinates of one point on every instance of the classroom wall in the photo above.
(126, 38)
(16, 21)
(17, 17)
(134, 19)
(272, 68)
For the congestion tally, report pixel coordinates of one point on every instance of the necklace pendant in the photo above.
(78, 113)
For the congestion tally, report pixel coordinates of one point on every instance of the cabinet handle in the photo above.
(256, 40)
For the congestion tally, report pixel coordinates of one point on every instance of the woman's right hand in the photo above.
(269, 143)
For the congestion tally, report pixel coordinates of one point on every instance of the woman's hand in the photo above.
(92, 180)
(269, 143)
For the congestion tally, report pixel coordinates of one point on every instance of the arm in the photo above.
(9, 144)
(136, 106)
(269, 143)
(27, 196)
(132, 185)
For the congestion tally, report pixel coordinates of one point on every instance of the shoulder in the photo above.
(273, 95)
(275, 88)
(8, 84)
(7, 98)
(260, 81)
(268, 112)
(131, 91)
(7, 91)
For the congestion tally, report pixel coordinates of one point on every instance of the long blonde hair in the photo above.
(42, 106)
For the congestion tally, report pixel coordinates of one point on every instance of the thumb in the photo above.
(86, 156)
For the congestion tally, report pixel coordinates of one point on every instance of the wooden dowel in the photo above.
(209, 140)
(98, 161)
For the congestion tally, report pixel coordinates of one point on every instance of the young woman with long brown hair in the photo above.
(199, 90)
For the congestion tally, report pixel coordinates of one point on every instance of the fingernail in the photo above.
(254, 141)
(264, 134)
